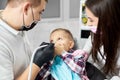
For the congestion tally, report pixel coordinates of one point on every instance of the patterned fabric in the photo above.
(76, 61)
(44, 73)
(61, 71)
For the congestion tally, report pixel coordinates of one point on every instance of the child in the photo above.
(67, 64)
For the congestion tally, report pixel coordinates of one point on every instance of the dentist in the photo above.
(15, 53)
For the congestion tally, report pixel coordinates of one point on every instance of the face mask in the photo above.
(93, 28)
(26, 28)
(32, 25)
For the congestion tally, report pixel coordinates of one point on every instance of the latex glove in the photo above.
(44, 54)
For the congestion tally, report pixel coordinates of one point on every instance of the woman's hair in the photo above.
(35, 3)
(108, 31)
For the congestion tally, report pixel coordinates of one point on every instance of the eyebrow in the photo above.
(89, 17)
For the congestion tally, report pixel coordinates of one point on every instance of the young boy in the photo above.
(67, 63)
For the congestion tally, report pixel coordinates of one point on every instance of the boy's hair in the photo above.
(66, 31)
(69, 34)
(35, 3)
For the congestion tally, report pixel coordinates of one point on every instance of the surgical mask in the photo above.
(32, 25)
(93, 29)
(26, 28)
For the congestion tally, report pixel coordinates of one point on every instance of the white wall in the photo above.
(42, 31)
(68, 18)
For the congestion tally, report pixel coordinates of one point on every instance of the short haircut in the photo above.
(35, 3)
(66, 31)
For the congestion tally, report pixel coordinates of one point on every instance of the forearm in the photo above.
(42, 54)
(24, 75)
(88, 45)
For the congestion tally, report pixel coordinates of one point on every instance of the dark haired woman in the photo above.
(104, 17)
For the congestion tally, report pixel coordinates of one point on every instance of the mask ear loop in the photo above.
(32, 13)
(32, 16)
(23, 20)
(32, 24)
(23, 26)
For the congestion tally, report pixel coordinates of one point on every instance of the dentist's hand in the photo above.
(44, 54)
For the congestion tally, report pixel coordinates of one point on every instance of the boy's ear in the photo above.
(71, 44)
(26, 7)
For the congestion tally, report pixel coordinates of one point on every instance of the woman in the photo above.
(104, 14)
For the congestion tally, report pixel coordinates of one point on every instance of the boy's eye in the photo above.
(51, 41)
(59, 38)
(40, 13)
